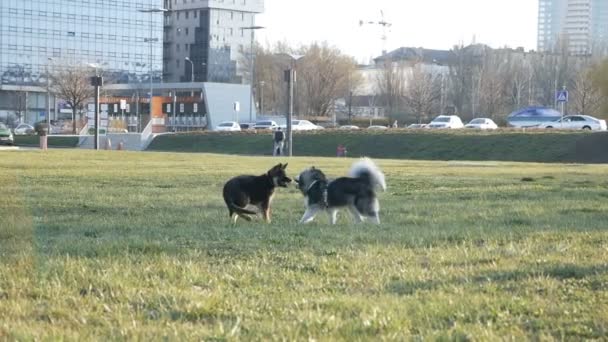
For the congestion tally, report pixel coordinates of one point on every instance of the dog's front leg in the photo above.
(309, 215)
(333, 216)
(355, 213)
(266, 212)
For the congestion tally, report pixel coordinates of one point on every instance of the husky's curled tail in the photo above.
(366, 169)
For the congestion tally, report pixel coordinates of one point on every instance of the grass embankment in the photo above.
(113, 246)
(53, 141)
(551, 147)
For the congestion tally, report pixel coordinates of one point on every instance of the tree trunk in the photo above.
(74, 120)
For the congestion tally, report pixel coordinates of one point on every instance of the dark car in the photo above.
(6, 136)
(245, 126)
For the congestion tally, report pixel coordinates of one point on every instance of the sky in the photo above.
(432, 24)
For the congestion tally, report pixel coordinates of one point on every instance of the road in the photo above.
(16, 148)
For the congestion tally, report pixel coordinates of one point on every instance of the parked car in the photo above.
(482, 123)
(247, 125)
(266, 124)
(228, 126)
(6, 136)
(53, 128)
(576, 122)
(446, 122)
(302, 125)
(24, 129)
(377, 127)
(417, 126)
(116, 130)
(532, 116)
(349, 127)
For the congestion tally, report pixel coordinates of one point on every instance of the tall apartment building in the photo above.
(206, 40)
(579, 25)
(38, 35)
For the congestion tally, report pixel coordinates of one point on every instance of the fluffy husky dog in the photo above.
(242, 191)
(357, 192)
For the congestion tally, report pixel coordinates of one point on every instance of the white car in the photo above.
(576, 122)
(482, 123)
(377, 127)
(24, 129)
(302, 125)
(266, 124)
(446, 122)
(228, 126)
(414, 126)
(346, 127)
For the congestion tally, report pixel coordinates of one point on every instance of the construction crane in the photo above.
(385, 27)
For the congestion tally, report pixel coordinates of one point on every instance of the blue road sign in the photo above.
(562, 96)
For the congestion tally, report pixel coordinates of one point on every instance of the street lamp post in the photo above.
(97, 82)
(187, 59)
(151, 41)
(252, 29)
(48, 97)
(290, 77)
(262, 83)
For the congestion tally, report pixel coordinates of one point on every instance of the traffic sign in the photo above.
(562, 96)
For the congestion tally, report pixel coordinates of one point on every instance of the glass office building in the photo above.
(579, 25)
(117, 35)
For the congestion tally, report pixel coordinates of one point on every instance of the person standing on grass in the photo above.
(279, 142)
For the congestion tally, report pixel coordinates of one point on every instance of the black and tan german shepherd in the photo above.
(241, 191)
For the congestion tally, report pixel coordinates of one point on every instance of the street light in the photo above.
(290, 76)
(187, 59)
(252, 29)
(97, 82)
(262, 83)
(48, 96)
(151, 40)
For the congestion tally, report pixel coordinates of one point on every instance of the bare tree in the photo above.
(600, 80)
(461, 73)
(391, 84)
(518, 75)
(269, 78)
(492, 87)
(324, 75)
(71, 83)
(19, 103)
(421, 93)
(585, 95)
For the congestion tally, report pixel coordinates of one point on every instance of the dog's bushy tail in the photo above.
(239, 210)
(365, 168)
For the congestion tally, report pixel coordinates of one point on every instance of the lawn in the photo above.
(138, 246)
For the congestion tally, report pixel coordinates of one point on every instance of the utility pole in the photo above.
(262, 83)
(48, 98)
(290, 76)
(97, 82)
(174, 111)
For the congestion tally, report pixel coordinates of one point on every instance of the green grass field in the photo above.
(138, 246)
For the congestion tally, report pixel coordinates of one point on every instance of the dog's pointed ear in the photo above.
(284, 166)
(274, 169)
